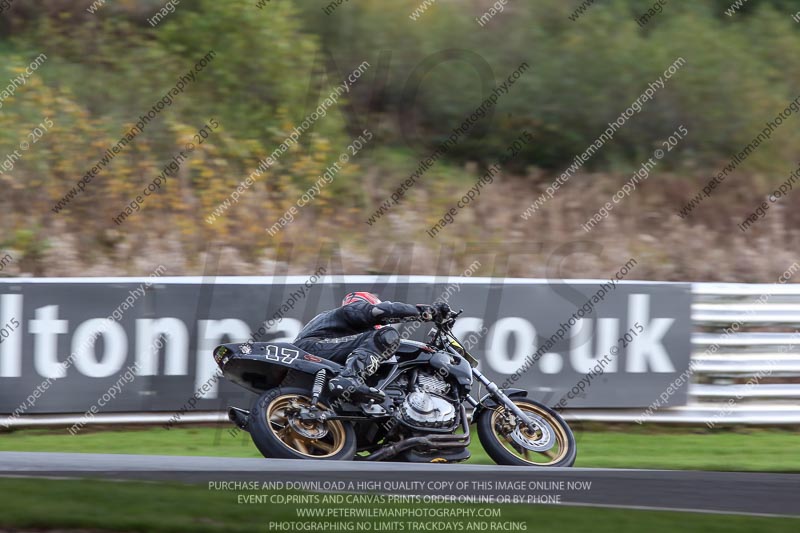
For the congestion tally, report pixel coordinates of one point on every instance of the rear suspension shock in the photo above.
(319, 383)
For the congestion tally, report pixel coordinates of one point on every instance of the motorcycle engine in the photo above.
(425, 407)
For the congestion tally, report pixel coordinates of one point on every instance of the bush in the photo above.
(274, 65)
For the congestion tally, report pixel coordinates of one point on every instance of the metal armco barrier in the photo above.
(746, 353)
(747, 375)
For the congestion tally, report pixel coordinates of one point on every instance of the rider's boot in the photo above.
(349, 386)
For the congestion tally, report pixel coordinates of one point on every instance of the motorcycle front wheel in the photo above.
(277, 433)
(510, 443)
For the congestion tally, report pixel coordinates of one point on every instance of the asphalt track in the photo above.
(678, 490)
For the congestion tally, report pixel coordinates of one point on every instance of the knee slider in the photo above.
(388, 340)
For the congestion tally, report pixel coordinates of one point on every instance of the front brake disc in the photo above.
(541, 441)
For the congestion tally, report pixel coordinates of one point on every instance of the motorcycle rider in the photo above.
(357, 335)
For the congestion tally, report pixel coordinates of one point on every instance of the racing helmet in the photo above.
(359, 296)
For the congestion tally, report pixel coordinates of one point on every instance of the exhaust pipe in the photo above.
(239, 417)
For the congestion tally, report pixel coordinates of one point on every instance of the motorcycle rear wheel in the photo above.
(278, 435)
(554, 439)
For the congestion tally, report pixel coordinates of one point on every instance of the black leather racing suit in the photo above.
(348, 335)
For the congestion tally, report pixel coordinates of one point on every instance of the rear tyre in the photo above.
(278, 434)
(509, 443)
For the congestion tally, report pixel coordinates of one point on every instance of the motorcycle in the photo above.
(422, 417)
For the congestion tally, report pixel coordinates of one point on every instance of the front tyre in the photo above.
(509, 443)
(277, 433)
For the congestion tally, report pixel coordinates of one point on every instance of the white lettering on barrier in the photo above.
(11, 348)
(176, 340)
(497, 355)
(115, 343)
(46, 326)
(509, 343)
(582, 356)
(647, 350)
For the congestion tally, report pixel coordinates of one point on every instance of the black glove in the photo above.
(441, 311)
(426, 312)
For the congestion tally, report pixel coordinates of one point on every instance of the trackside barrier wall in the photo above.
(169, 331)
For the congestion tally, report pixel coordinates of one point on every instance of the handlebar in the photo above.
(449, 320)
(443, 333)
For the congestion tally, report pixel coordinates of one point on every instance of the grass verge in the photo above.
(768, 450)
(118, 506)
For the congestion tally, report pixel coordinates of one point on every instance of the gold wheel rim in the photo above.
(552, 456)
(278, 422)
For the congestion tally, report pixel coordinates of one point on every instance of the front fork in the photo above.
(501, 398)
